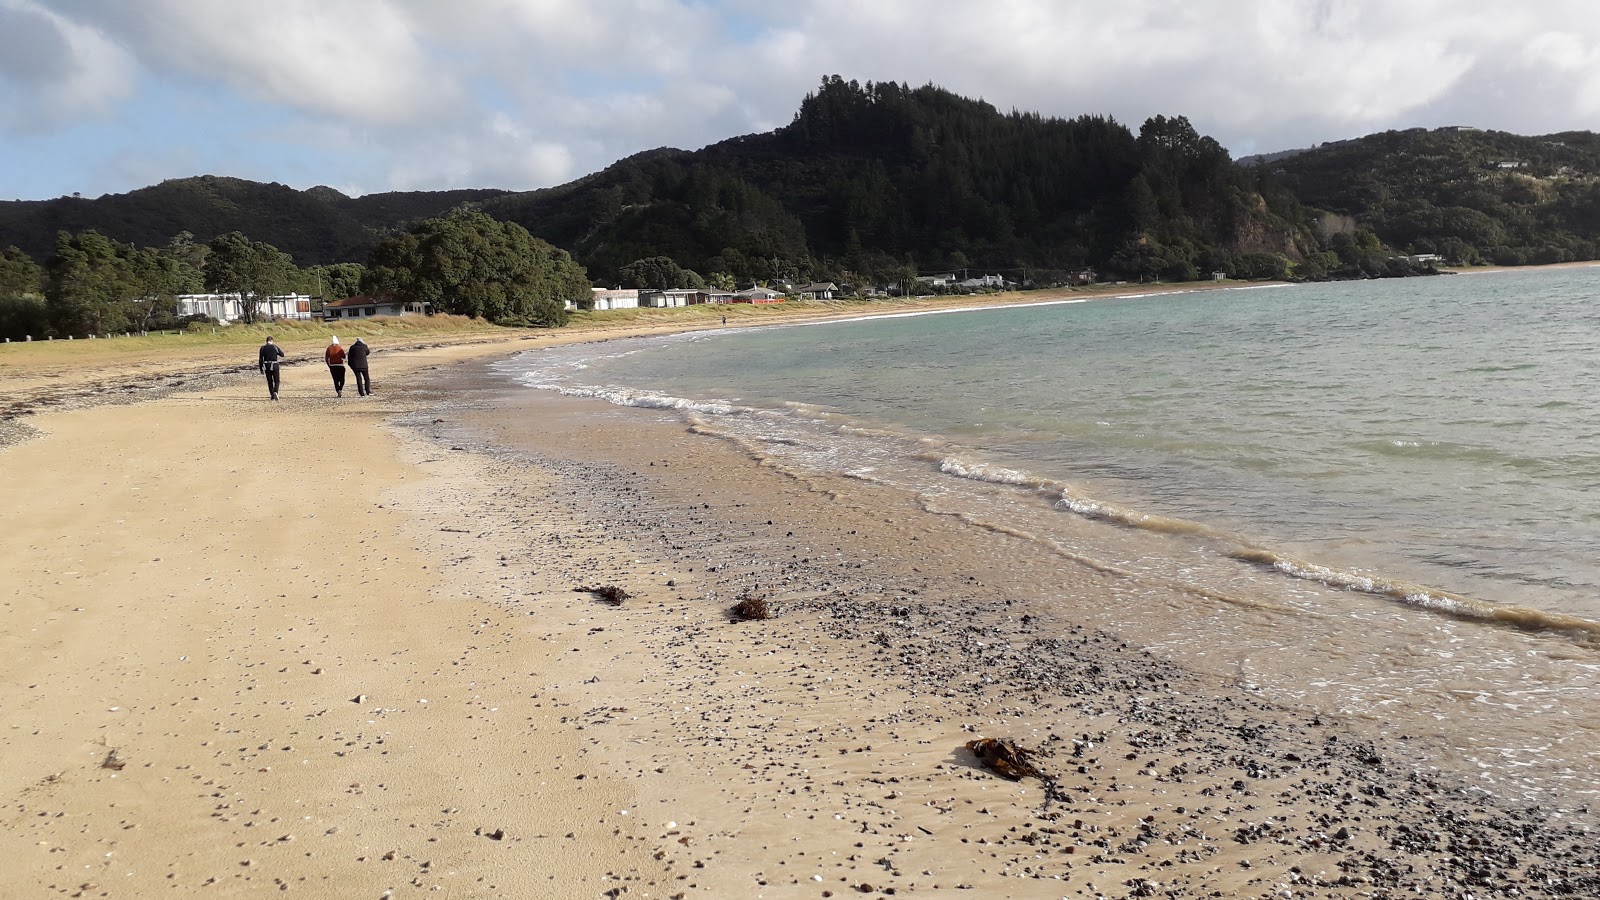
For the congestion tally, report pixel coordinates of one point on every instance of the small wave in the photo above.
(1425, 598)
(1098, 565)
(1064, 496)
(1520, 367)
(976, 471)
(1447, 450)
(1109, 512)
(647, 400)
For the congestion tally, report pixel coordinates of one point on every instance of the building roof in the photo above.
(361, 300)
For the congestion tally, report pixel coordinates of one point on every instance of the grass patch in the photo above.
(211, 341)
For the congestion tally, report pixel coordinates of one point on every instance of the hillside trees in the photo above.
(19, 274)
(470, 264)
(251, 269)
(95, 285)
(660, 273)
(22, 308)
(336, 281)
(1468, 195)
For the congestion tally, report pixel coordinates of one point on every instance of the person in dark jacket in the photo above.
(356, 358)
(267, 363)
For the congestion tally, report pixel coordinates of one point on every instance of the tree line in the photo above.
(465, 263)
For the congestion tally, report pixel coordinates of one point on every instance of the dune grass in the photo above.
(210, 341)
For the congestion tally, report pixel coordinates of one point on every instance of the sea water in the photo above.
(1406, 473)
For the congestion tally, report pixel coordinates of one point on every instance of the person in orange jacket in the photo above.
(335, 357)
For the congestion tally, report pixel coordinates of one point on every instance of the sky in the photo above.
(106, 96)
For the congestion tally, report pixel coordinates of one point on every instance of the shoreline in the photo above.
(339, 647)
(1195, 777)
(62, 374)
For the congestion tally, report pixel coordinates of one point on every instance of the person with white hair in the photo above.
(335, 357)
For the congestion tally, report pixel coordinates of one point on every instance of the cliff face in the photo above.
(1260, 231)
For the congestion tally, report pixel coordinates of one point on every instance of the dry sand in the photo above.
(252, 648)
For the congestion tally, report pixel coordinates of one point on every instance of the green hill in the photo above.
(316, 226)
(1471, 195)
(869, 179)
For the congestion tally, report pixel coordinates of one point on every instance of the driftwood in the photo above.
(609, 593)
(1003, 757)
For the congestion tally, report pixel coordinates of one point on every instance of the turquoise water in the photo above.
(1376, 499)
(1441, 432)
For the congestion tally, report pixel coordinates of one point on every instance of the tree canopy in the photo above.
(470, 264)
(661, 273)
(95, 285)
(251, 269)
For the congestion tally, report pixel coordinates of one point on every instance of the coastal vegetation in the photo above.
(870, 186)
(470, 264)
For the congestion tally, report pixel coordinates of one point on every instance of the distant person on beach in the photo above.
(724, 320)
(356, 356)
(267, 362)
(335, 358)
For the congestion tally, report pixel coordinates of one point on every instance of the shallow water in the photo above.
(1376, 498)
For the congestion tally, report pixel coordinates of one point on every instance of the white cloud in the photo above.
(360, 59)
(502, 153)
(54, 71)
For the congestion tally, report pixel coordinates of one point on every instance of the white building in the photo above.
(227, 308)
(674, 297)
(362, 306)
(612, 298)
(983, 282)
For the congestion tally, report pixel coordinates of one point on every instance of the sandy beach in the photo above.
(352, 648)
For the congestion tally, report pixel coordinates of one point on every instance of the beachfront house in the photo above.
(674, 297)
(818, 290)
(936, 281)
(983, 283)
(601, 299)
(226, 308)
(757, 295)
(364, 307)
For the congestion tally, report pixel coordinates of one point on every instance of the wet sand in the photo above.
(833, 735)
(343, 648)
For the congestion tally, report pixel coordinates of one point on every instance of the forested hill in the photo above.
(871, 179)
(316, 226)
(1468, 194)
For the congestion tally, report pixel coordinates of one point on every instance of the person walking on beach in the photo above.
(335, 357)
(356, 356)
(267, 363)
